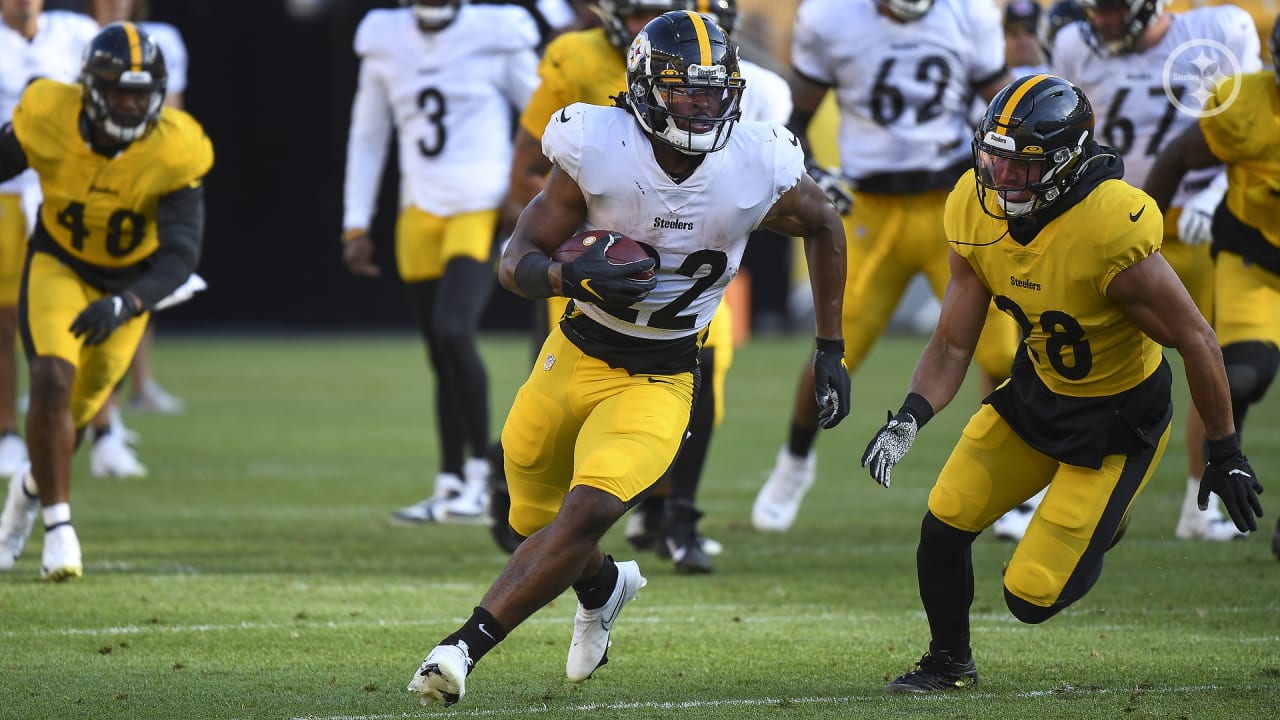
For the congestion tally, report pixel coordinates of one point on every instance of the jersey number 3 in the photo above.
(125, 229)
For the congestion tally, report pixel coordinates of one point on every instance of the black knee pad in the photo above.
(1251, 368)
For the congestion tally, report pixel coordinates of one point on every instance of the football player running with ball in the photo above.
(1044, 225)
(603, 412)
(119, 230)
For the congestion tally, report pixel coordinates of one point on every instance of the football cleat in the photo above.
(591, 628)
(643, 530)
(13, 454)
(442, 677)
(17, 519)
(937, 671)
(680, 540)
(111, 457)
(1207, 524)
(448, 485)
(151, 398)
(61, 557)
(470, 505)
(779, 499)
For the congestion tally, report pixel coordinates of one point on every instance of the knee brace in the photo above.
(1251, 368)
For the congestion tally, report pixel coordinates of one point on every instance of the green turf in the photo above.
(254, 575)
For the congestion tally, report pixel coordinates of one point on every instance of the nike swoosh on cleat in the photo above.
(607, 622)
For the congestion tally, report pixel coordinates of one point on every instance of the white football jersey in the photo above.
(699, 227)
(171, 45)
(767, 97)
(904, 89)
(56, 52)
(1143, 100)
(450, 95)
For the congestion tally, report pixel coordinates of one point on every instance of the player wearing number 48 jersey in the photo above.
(119, 230)
(448, 76)
(605, 408)
(1148, 73)
(1045, 226)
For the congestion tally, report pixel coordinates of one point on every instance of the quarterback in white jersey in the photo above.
(33, 44)
(449, 77)
(1149, 73)
(604, 411)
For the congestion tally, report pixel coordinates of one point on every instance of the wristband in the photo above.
(531, 275)
(1225, 448)
(918, 407)
(831, 346)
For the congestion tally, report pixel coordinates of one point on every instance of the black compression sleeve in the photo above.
(180, 226)
(531, 275)
(12, 158)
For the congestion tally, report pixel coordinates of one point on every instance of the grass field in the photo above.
(254, 575)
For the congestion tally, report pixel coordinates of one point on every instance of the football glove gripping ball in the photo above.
(1229, 476)
(830, 382)
(834, 188)
(593, 278)
(101, 318)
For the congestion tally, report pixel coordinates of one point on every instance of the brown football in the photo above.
(622, 251)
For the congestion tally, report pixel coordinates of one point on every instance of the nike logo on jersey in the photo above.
(586, 285)
(564, 116)
(1133, 217)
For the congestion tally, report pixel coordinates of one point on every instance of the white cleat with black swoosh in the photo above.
(590, 645)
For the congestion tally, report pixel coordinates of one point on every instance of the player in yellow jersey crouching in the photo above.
(120, 229)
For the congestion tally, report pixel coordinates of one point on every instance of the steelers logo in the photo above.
(1193, 70)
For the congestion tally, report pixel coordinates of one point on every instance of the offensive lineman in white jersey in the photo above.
(1149, 73)
(449, 75)
(603, 412)
(33, 44)
(903, 84)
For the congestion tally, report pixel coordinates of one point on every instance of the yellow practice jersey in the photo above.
(577, 67)
(1246, 136)
(101, 210)
(1079, 341)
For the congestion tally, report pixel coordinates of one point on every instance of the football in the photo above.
(622, 251)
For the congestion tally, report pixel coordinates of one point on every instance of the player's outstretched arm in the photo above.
(1188, 151)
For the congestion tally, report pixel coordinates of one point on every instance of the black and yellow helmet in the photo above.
(683, 82)
(613, 16)
(1027, 150)
(122, 57)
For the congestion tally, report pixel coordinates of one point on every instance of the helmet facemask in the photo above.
(1027, 151)
(688, 105)
(123, 60)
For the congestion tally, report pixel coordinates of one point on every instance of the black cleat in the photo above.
(936, 672)
(680, 540)
(499, 508)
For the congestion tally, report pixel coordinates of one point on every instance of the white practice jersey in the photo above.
(767, 97)
(450, 95)
(699, 227)
(1134, 94)
(904, 89)
(56, 52)
(174, 50)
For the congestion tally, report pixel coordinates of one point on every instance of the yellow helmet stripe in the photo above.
(704, 43)
(1016, 97)
(135, 46)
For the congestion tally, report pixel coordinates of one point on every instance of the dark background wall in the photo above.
(274, 94)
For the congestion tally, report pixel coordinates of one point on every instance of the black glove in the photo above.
(831, 382)
(831, 184)
(895, 437)
(593, 278)
(103, 316)
(1228, 475)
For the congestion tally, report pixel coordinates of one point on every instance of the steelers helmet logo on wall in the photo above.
(1027, 150)
(121, 57)
(683, 82)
